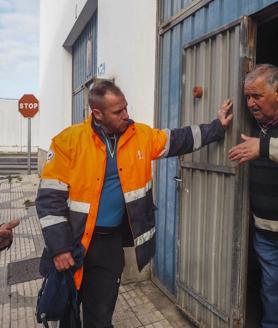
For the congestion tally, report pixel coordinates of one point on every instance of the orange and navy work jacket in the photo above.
(73, 176)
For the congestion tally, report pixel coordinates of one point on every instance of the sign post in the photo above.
(29, 147)
(28, 106)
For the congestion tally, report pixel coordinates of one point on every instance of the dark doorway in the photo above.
(267, 48)
(266, 52)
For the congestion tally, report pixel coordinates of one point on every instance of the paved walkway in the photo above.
(139, 304)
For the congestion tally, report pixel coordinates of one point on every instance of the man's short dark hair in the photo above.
(98, 90)
(267, 71)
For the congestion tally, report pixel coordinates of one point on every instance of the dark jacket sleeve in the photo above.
(264, 146)
(52, 209)
(191, 138)
(52, 199)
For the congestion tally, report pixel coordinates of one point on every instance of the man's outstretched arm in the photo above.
(191, 138)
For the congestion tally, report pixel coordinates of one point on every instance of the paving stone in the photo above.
(144, 308)
(135, 297)
(126, 288)
(22, 271)
(150, 317)
(130, 323)
(160, 324)
(120, 316)
(139, 305)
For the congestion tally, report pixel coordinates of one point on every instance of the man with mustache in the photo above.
(261, 91)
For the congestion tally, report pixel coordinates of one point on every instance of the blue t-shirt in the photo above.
(112, 203)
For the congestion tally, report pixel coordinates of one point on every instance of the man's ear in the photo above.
(97, 114)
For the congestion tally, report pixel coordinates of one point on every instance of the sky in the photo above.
(19, 48)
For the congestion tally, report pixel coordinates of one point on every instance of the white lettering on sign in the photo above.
(101, 69)
(28, 106)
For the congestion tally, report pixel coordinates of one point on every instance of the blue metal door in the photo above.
(84, 68)
(164, 270)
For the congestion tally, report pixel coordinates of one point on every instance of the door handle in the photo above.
(178, 182)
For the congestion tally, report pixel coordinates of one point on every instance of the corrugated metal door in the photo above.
(213, 227)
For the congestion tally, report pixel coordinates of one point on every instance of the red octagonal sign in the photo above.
(28, 105)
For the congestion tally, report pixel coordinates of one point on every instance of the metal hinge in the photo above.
(237, 318)
(248, 64)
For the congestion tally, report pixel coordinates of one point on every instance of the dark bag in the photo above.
(57, 298)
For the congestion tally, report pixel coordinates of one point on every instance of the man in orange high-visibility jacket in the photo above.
(96, 193)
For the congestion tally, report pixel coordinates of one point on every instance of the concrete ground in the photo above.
(139, 304)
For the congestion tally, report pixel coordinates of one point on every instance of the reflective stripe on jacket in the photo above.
(72, 179)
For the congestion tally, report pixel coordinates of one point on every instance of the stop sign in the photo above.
(28, 105)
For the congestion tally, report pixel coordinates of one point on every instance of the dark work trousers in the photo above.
(103, 267)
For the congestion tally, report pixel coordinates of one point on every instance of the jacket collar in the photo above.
(94, 129)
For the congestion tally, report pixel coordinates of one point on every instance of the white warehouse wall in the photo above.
(14, 128)
(56, 21)
(126, 52)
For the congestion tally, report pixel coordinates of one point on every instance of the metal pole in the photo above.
(29, 145)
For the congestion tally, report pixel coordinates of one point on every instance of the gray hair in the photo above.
(98, 91)
(267, 71)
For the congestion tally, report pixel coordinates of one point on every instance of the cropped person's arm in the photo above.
(6, 234)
